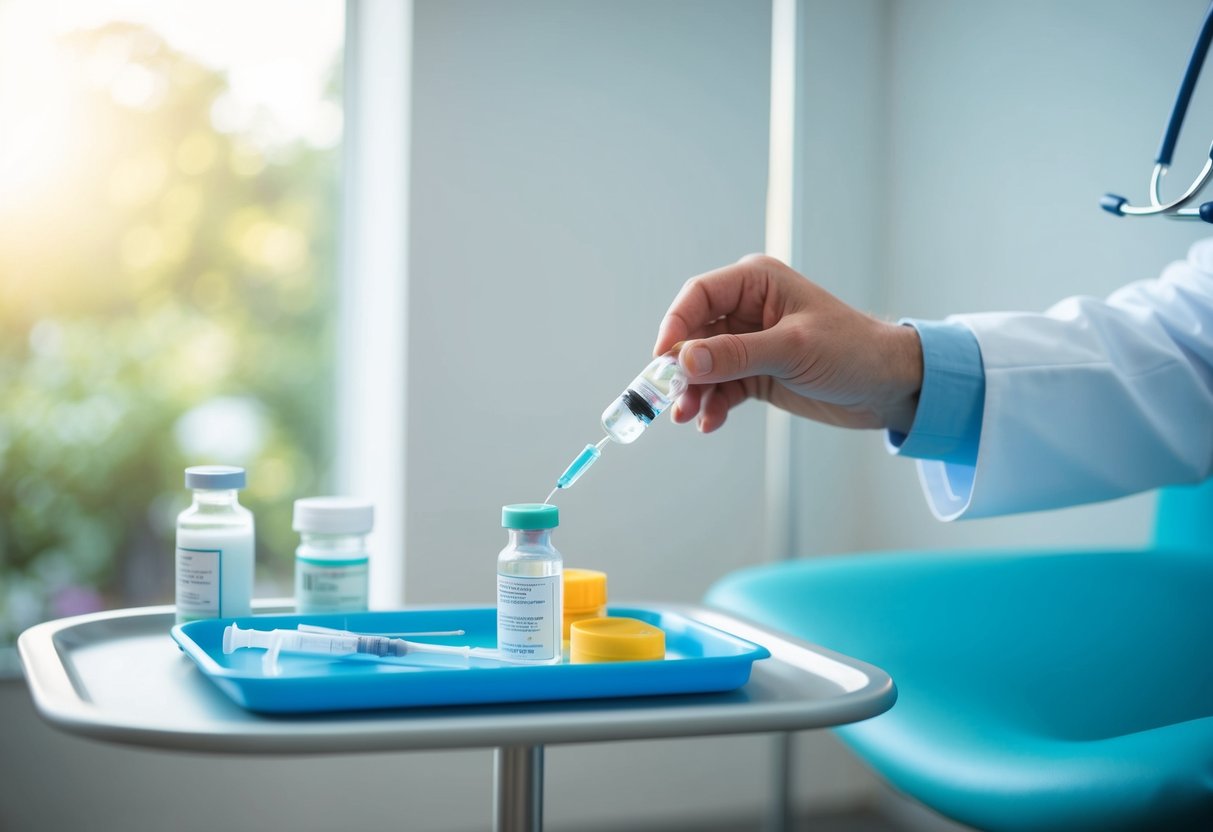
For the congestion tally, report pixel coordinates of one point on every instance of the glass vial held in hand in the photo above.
(529, 605)
(214, 547)
(331, 563)
(649, 394)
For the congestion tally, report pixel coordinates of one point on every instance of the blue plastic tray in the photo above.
(699, 659)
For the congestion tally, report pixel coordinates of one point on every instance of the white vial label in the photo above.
(199, 581)
(214, 573)
(528, 622)
(328, 588)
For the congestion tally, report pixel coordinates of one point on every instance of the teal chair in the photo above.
(1064, 690)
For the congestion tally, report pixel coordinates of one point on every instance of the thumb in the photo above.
(729, 356)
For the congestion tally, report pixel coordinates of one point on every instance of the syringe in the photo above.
(319, 641)
(649, 394)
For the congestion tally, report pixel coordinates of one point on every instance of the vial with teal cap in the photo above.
(529, 605)
(624, 419)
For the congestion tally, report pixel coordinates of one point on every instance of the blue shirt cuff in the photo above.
(947, 423)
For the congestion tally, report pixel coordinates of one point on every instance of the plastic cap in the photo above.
(584, 589)
(214, 477)
(615, 640)
(530, 516)
(333, 515)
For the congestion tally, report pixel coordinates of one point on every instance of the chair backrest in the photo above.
(1184, 520)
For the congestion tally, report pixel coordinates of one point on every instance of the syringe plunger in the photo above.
(319, 641)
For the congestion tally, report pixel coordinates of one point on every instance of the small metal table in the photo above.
(117, 676)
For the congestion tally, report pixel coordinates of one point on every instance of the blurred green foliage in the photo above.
(164, 265)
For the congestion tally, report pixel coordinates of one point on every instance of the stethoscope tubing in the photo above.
(1174, 208)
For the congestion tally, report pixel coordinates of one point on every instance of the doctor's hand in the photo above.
(758, 330)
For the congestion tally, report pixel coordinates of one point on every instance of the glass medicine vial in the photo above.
(528, 586)
(214, 547)
(331, 563)
(649, 394)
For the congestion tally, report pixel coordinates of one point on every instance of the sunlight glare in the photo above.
(41, 120)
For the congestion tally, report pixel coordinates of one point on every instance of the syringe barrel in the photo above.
(292, 641)
(297, 642)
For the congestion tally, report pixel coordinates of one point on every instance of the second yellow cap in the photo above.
(615, 640)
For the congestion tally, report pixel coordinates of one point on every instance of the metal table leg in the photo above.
(518, 788)
(779, 811)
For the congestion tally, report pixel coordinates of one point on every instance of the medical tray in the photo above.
(699, 659)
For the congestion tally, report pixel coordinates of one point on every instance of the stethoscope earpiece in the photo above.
(1112, 203)
(1206, 211)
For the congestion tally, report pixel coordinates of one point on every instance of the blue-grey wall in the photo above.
(1001, 124)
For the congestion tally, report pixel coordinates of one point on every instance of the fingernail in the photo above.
(697, 361)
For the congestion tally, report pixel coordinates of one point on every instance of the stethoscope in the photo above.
(1175, 209)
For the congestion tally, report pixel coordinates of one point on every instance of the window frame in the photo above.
(372, 295)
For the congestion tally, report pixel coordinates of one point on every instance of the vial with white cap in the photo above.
(214, 546)
(332, 562)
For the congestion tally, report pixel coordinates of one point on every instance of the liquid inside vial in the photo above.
(647, 396)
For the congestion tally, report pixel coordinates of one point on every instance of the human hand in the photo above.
(757, 329)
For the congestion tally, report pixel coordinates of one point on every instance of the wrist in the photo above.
(901, 354)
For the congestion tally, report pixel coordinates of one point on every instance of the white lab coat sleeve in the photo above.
(1091, 400)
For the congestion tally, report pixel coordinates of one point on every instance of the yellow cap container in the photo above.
(615, 640)
(585, 596)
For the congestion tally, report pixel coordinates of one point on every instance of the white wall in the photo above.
(573, 164)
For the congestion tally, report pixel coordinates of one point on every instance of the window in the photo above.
(168, 224)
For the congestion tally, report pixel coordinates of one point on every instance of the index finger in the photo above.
(736, 290)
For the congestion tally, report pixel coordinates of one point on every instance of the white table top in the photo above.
(118, 676)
